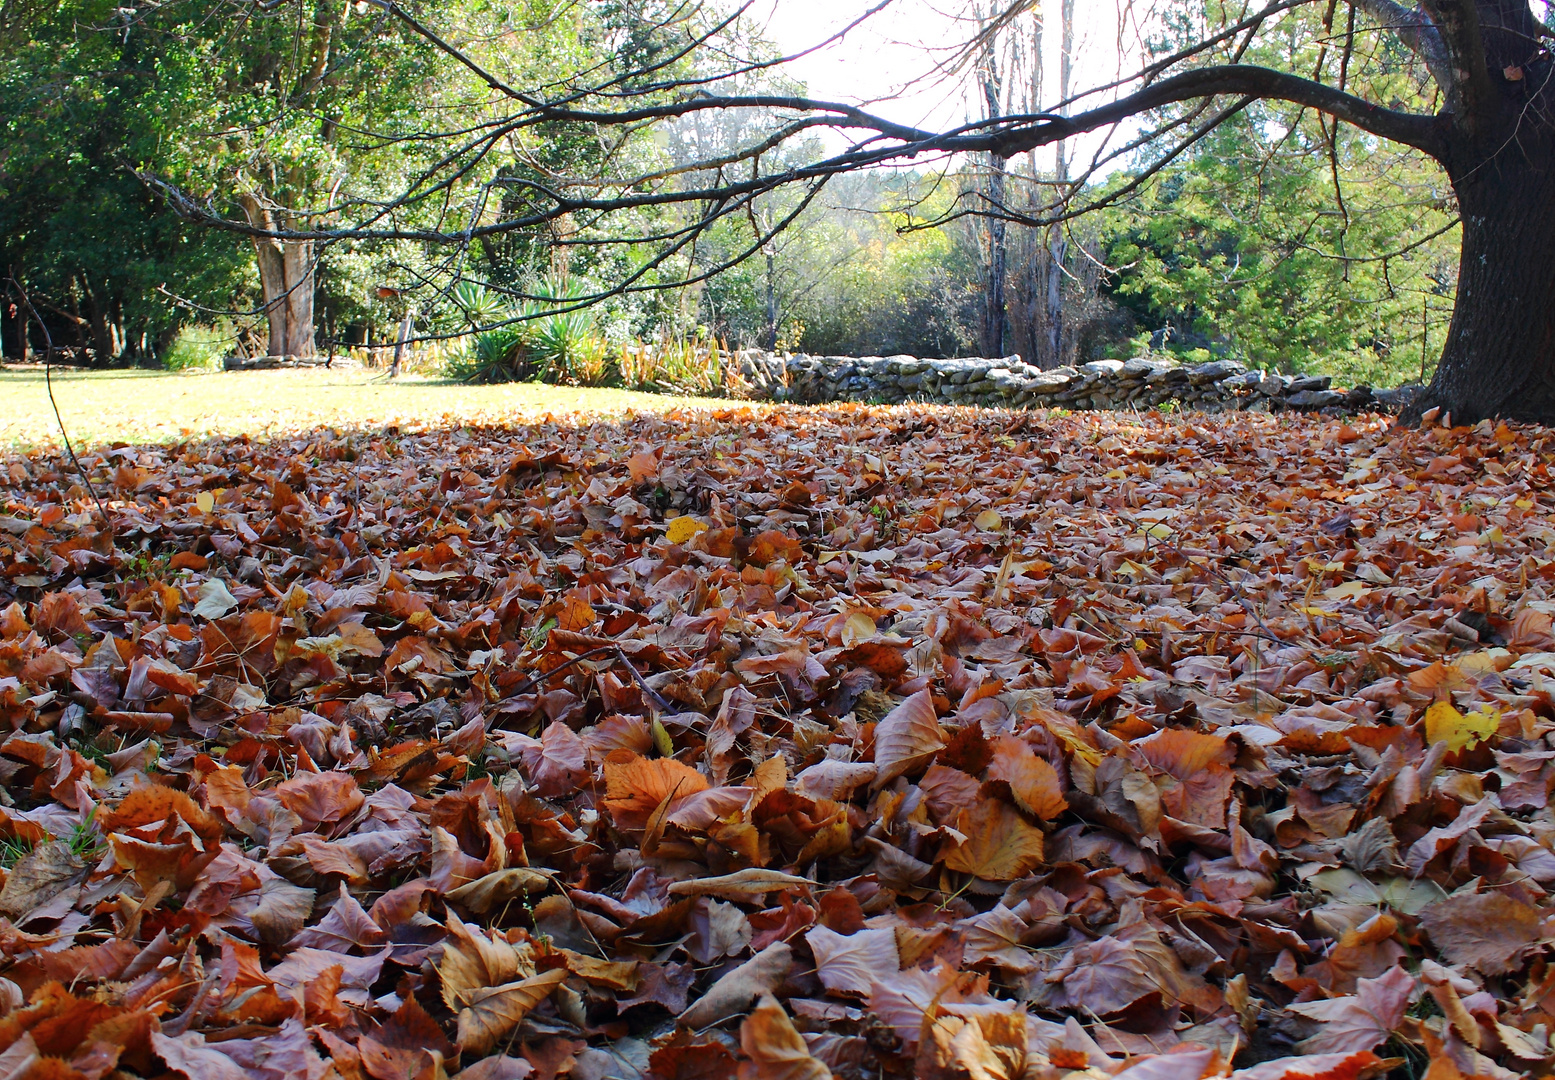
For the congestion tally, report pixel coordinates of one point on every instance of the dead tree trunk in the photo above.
(1057, 244)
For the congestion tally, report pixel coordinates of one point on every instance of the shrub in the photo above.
(198, 348)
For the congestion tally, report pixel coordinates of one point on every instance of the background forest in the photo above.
(1279, 238)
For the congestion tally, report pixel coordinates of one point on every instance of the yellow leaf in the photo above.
(1443, 723)
(988, 520)
(1156, 531)
(661, 739)
(1486, 661)
(858, 627)
(1350, 590)
(683, 529)
(205, 501)
(1524, 504)
(1318, 612)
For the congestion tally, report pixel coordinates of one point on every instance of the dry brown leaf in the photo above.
(999, 844)
(853, 963)
(907, 738)
(472, 961)
(1486, 931)
(775, 1049)
(733, 993)
(494, 1011)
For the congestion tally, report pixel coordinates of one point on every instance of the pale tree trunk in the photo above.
(994, 315)
(1057, 245)
(772, 298)
(399, 344)
(286, 281)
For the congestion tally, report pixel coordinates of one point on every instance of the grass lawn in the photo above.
(150, 406)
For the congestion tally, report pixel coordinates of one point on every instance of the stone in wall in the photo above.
(1143, 382)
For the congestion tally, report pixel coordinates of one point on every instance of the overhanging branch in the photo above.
(1243, 80)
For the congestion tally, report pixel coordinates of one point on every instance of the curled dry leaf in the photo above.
(745, 885)
(485, 893)
(907, 738)
(472, 961)
(733, 993)
(776, 1051)
(494, 1011)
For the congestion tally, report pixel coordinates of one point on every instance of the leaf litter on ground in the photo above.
(783, 744)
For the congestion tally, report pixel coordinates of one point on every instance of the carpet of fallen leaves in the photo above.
(783, 744)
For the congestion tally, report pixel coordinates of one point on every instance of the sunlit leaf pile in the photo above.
(786, 745)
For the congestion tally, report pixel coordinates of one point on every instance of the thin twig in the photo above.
(658, 699)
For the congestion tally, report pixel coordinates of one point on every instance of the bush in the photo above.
(536, 343)
(678, 365)
(198, 348)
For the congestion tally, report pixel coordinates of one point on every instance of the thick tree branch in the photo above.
(1415, 29)
(1411, 129)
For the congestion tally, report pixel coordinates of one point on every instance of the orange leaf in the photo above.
(1033, 781)
(635, 786)
(999, 845)
(776, 1050)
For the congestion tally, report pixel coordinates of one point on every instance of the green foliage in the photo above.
(1242, 251)
(550, 338)
(685, 364)
(1289, 242)
(198, 348)
(99, 254)
(13, 850)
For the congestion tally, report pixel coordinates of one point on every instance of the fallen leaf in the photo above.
(492, 1012)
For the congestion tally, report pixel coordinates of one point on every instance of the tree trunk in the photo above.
(993, 311)
(1499, 356)
(1057, 242)
(286, 281)
(771, 336)
(399, 345)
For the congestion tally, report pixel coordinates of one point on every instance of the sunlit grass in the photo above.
(149, 406)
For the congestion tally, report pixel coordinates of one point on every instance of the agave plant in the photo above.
(478, 305)
(535, 340)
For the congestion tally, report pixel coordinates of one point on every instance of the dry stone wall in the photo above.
(1141, 383)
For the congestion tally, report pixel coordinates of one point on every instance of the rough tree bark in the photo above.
(1499, 356)
(285, 280)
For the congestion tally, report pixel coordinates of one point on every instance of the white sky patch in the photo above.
(888, 63)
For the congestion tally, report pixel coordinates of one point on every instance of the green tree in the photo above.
(1245, 248)
(97, 255)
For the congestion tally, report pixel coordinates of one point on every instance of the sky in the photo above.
(890, 59)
